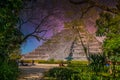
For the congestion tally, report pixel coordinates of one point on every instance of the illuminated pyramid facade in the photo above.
(63, 43)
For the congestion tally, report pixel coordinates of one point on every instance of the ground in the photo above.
(34, 72)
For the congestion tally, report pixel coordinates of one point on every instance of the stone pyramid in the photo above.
(60, 46)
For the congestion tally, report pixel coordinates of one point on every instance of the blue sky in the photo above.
(30, 45)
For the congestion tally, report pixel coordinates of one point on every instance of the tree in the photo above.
(10, 37)
(21, 12)
(109, 25)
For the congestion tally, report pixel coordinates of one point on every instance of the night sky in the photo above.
(60, 7)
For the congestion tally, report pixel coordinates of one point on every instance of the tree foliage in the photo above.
(9, 34)
(10, 37)
(108, 25)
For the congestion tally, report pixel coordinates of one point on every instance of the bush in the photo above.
(63, 73)
(81, 71)
(9, 71)
(97, 62)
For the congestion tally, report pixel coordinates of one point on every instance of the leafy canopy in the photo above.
(10, 35)
(109, 26)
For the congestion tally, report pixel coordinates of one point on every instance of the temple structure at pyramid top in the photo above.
(68, 42)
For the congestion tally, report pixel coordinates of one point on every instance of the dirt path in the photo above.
(34, 72)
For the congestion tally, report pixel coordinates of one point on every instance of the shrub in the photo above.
(9, 71)
(80, 71)
(97, 62)
(63, 73)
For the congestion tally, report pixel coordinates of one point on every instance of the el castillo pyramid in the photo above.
(67, 43)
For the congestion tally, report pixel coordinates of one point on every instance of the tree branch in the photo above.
(36, 29)
(95, 4)
(78, 3)
(32, 34)
(85, 48)
(84, 12)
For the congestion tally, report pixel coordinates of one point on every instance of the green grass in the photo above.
(79, 62)
(45, 61)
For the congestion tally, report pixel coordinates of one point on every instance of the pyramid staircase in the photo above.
(59, 46)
